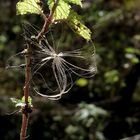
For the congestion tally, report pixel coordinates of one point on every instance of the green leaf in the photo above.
(29, 100)
(82, 82)
(17, 102)
(28, 6)
(71, 129)
(135, 60)
(21, 103)
(112, 76)
(74, 21)
(77, 2)
(62, 10)
(3, 39)
(14, 100)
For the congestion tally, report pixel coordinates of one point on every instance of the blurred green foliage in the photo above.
(82, 82)
(105, 107)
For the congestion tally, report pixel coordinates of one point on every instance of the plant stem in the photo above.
(25, 110)
(24, 126)
(27, 73)
(48, 21)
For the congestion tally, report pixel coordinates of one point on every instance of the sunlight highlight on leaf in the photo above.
(74, 21)
(28, 7)
(82, 82)
(62, 10)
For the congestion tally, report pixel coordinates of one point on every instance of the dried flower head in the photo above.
(53, 66)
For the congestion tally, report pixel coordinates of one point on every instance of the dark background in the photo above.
(107, 106)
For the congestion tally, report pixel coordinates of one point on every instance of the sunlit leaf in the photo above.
(62, 10)
(82, 82)
(131, 50)
(29, 100)
(21, 103)
(135, 60)
(14, 100)
(17, 102)
(75, 23)
(28, 7)
(88, 112)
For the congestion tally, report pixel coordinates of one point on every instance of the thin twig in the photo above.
(25, 118)
(25, 110)
(48, 21)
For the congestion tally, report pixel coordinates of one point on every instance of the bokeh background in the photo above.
(105, 107)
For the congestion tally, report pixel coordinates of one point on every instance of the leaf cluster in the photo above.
(21, 102)
(63, 12)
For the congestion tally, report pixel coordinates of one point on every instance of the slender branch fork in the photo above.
(48, 21)
(27, 109)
